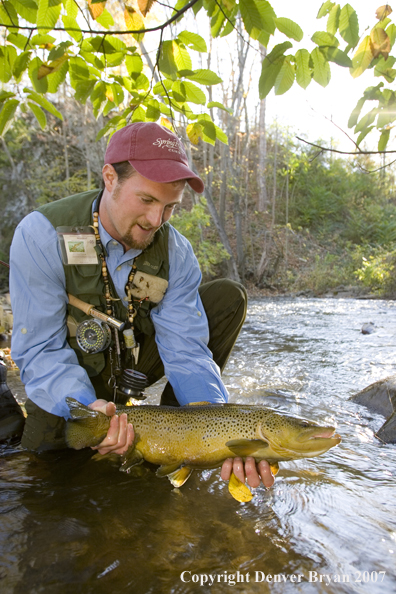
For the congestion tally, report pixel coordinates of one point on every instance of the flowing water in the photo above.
(69, 523)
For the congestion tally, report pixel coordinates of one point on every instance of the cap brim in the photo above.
(163, 172)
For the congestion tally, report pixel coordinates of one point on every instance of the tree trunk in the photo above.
(262, 182)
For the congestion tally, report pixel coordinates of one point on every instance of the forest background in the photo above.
(280, 214)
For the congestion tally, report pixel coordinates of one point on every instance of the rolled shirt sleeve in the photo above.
(49, 367)
(182, 331)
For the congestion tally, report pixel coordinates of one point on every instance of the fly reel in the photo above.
(93, 336)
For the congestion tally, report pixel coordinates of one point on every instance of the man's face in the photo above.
(134, 210)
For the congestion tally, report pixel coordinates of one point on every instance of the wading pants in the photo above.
(225, 305)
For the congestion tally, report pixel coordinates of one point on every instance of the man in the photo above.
(115, 250)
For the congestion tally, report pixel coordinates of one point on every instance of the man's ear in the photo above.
(110, 177)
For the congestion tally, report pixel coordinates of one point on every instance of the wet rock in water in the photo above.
(380, 398)
(368, 328)
(12, 420)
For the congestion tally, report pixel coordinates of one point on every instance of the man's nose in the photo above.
(155, 215)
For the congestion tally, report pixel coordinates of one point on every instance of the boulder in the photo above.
(380, 398)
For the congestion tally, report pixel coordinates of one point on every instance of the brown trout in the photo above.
(182, 439)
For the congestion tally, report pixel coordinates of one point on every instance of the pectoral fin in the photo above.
(131, 458)
(239, 490)
(247, 447)
(167, 469)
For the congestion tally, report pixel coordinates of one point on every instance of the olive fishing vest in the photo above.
(85, 280)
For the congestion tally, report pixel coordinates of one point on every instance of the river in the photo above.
(70, 523)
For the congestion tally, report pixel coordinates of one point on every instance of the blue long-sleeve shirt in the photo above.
(49, 366)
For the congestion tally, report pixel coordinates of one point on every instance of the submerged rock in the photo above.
(368, 328)
(380, 398)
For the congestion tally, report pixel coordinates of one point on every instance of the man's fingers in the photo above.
(266, 475)
(238, 470)
(226, 469)
(252, 475)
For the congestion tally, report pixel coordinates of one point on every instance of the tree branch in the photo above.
(359, 151)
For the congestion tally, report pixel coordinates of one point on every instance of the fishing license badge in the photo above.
(77, 245)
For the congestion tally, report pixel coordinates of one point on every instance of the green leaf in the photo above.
(333, 20)
(47, 15)
(8, 14)
(6, 65)
(385, 68)
(39, 114)
(366, 120)
(363, 135)
(349, 25)
(383, 140)
(325, 9)
(362, 58)
(70, 24)
(20, 41)
(269, 73)
(267, 15)
(322, 38)
(166, 63)
(27, 9)
(43, 40)
(140, 82)
(83, 90)
(333, 54)
(153, 112)
(220, 135)
(212, 104)
(139, 115)
(303, 71)
(6, 114)
(162, 87)
(216, 24)
(204, 77)
(43, 102)
(78, 70)
(321, 70)
(353, 118)
(4, 95)
(179, 91)
(373, 93)
(289, 28)
(391, 32)
(251, 17)
(118, 93)
(57, 78)
(208, 129)
(285, 78)
(194, 94)
(386, 116)
(20, 65)
(71, 9)
(278, 51)
(181, 56)
(105, 19)
(134, 64)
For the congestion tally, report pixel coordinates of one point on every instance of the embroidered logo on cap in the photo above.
(173, 146)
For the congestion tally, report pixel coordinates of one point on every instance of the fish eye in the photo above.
(304, 423)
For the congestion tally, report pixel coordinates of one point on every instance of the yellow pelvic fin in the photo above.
(179, 476)
(167, 469)
(202, 403)
(274, 468)
(247, 447)
(239, 490)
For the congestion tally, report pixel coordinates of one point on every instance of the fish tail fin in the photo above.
(86, 428)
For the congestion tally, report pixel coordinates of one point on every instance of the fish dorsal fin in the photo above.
(247, 447)
(239, 490)
(202, 403)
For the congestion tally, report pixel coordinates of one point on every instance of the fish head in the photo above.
(292, 437)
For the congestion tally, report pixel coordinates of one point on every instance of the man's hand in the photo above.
(120, 435)
(253, 474)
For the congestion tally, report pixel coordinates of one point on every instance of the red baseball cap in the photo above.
(154, 151)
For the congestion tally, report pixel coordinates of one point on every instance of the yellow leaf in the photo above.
(54, 66)
(382, 12)
(134, 22)
(145, 6)
(238, 490)
(194, 132)
(362, 58)
(165, 122)
(96, 9)
(380, 43)
(109, 93)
